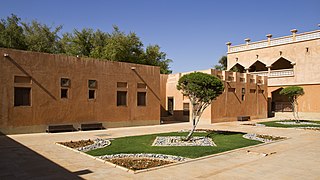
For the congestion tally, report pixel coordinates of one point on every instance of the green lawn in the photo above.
(142, 144)
(274, 124)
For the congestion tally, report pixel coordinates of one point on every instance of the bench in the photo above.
(60, 128)
(243, 118)
(91, 126)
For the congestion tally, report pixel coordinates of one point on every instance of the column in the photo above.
(228, 44)
(269, 70)
(269, 36)
(294, 32)
(247, 42)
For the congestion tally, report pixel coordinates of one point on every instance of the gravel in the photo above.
(145, 155)
(262, 138)
(98, 143)
(296, 123)
(177, 141)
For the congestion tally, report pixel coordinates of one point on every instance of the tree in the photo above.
(223, 63)
(122, 47)
(11, 33)
(201, 89)
(78, 43)
(293, 93)
(40, 38)
(155, 57)
(115, 46)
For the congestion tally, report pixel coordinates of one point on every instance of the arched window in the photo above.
(281, 63)
(258, 66)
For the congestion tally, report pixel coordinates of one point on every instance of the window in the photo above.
(141, 98)
(64, 93)
(231, 89)
(186, 109)
(22, 96)
(141, 86)
(65, 82)
(122, 85)
(121, 98)
(92, 84)
(261, 91)
(92, 94)
(252, 91)
(243, 92)
(22, 79)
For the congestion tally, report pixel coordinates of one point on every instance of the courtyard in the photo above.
(36, 155)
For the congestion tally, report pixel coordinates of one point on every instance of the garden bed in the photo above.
(293, 124)
(137, 153)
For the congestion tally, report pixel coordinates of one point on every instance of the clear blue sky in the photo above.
(193, 33)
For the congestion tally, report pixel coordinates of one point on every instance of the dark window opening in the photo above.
(243, 91)
(186, 109)
(22, 96)
(64, 93)
(141, 98)
(170, 106)
(65, 82)
(92, 94)
(121, 98)
(252, 91)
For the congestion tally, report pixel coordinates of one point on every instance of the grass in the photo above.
(142, 144)
(274, 124)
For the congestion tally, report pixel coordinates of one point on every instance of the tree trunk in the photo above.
(192, 130)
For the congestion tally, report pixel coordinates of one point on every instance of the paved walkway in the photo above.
(31, 156)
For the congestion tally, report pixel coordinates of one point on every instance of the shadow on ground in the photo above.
(19, 162)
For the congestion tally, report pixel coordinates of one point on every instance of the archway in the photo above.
(281, 63)
(237, 68)
(280, 103)
(258, 66)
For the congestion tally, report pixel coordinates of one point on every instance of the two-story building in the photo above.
(292, 60)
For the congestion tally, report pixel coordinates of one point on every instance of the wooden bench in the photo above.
(243, 118)
(60, 128)
(91, 126)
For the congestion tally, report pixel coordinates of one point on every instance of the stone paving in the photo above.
(31, 156)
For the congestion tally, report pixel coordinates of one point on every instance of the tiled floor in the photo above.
(36, 156)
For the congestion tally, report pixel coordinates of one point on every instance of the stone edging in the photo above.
(173, 164)
(98, 143)
(144, 155)
(253, 136)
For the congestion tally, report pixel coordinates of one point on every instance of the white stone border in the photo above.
(145, 155)
(253, 136)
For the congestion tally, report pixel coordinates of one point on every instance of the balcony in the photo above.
(274, 42)
(276, 73)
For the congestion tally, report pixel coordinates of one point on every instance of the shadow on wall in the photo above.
(33, 79)
(19, 162)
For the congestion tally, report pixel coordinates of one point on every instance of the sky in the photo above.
(192, 33)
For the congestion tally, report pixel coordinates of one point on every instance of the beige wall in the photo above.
(48, 108)
(307, 64)
(304, 55)
(309, 102)
(229, 105)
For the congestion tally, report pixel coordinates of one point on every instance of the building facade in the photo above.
(244, 95)
(292, 60)
(39, 89)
